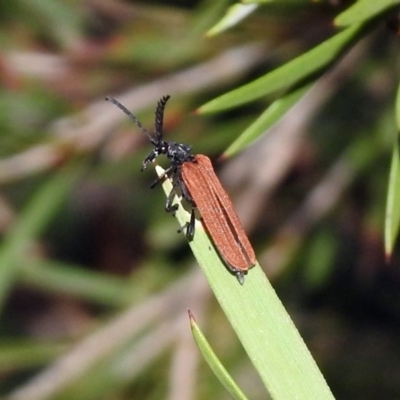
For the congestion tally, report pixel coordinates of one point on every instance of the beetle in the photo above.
(201, 188)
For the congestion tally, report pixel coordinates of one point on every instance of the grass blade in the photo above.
(262, 324)
(364, 10)
(268, 118)
(288, 75)
(215, 364)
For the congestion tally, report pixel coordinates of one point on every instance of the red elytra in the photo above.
(218, 214)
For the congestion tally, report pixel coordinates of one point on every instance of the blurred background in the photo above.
(94, 280)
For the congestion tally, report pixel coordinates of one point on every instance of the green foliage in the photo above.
(94, 282)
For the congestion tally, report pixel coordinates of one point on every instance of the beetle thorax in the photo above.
(178, 153)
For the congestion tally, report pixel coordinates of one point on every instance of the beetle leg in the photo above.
(168, 204)
(169, 171)
(185, 192)
(189, 226)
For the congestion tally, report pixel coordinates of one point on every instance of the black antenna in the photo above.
(133, 118)
(160, 117)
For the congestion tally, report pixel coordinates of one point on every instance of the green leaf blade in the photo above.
(259, 319)
(215, 364)
(392, 217)
(290, 74)
(363, 10)
(268, 118)
(233, 16)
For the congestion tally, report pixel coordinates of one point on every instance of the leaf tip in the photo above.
(223, 157)
(191, 317)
